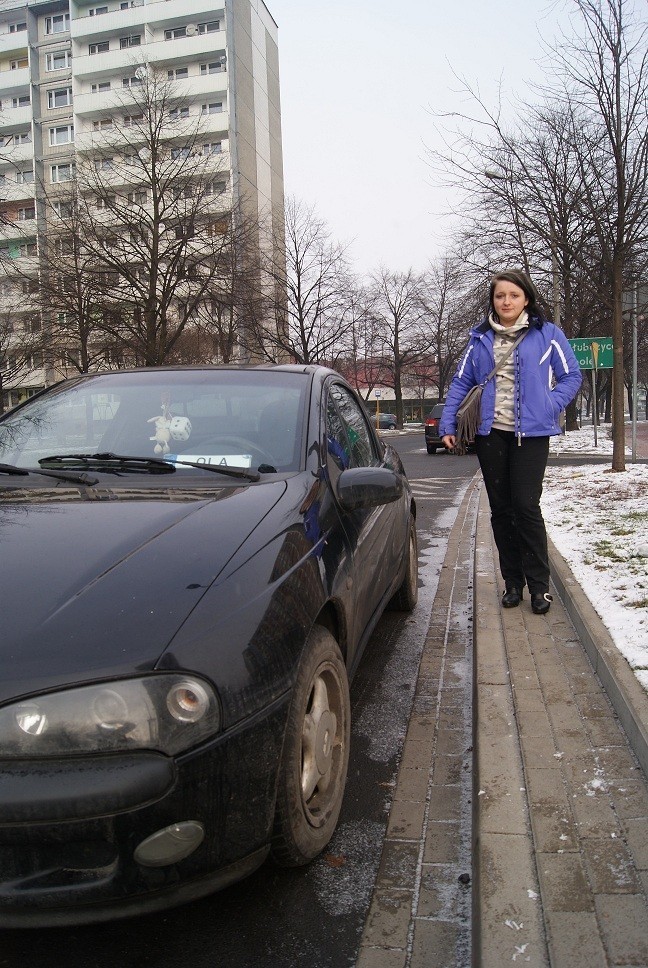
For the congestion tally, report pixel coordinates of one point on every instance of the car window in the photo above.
(245, 418)
(349, 440)
(437, 411)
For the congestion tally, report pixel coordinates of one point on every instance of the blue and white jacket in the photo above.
(547, 378)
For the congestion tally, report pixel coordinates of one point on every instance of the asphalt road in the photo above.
(312, 916)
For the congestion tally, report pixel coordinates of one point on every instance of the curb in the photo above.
(628, 698)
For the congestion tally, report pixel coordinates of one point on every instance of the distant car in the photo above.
(193, 561)
(433, 440)
(386, 421)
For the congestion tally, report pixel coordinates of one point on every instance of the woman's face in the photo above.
(509, 301)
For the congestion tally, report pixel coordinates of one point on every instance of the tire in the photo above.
(315, 756)
(407, 595)
(391, 426)
(431, 449)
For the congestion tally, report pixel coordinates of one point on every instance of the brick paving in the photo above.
(548, 814)
(420, 915)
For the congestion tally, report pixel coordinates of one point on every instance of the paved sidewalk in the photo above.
(557, 817)
(561, 811)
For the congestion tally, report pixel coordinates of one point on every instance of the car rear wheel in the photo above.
(315, 756)
(431, 449)
(407, 595)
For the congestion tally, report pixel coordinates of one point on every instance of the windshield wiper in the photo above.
(220, 469)
(112, 463)
(152, 465)
(72, 478)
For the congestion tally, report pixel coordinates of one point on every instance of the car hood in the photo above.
(92, 588)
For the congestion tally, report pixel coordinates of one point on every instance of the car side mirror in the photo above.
(368, 487)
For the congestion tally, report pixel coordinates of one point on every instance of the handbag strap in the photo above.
(504, 358)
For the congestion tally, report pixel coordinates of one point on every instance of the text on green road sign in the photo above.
(594, 352)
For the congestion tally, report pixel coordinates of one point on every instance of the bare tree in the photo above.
(154, 216)
(453, 297)
(575, 176)
(311, 297)
(401, 329)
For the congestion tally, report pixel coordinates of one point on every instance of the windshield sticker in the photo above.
(225, 460)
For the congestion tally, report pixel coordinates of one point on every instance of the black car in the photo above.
(433, 441)
(193, 560)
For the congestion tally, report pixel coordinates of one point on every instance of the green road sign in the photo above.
(593, 352)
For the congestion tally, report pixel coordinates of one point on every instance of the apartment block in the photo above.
(65, 66)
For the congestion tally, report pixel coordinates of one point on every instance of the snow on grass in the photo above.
(598, 521)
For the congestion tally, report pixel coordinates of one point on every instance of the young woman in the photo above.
(520, 410)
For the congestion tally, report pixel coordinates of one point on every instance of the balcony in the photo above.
(170, 13)
(17, 154)
(14, 119)
(85, 30)
(14, 83)
(12, 191)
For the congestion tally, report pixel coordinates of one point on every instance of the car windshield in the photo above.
(229, 418)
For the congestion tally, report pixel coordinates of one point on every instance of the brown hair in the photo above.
(519, 278)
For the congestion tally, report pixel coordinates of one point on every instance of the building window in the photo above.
(214, 67)
(175, 33)
(16, 28)
(104, 164)
(97, 11)
(61, 136)
(215, 188)
(26, 214)
(62, 173)
(137, 198)
(101, 87)
(179, 153)
(178, 73)
(132, 119)
(103, 202)
(213, 148)
(214, 108)
(134, 40)
(25, 177)
(127, 4)
(18, 65)
(20, 138)
(63, 209)
(102, 125)
(28, 248)
(58, 60)
(100, 48)
(21, 102)
(131, 82)
(179, 113)
(59, 98)
(209, 28)
(57, 24)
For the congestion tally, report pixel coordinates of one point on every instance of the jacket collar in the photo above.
(485, 327)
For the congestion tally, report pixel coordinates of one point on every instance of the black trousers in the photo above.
(513, 474)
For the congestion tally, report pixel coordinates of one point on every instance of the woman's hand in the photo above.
(448, 441)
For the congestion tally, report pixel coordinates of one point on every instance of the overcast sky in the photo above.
(359, 80)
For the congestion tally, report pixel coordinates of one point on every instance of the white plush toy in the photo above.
(162, 433)
(167, 428)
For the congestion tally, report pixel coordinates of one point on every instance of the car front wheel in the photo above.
(315, 756)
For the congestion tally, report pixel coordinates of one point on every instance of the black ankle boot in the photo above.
(511, 597)
(541, 602)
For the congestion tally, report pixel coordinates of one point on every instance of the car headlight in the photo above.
(170, 713)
